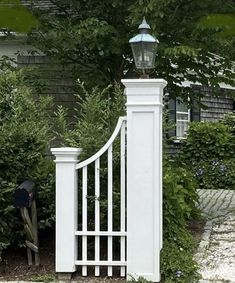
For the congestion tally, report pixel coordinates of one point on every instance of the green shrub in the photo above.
(97, 115)
(209, 152)
(177, 264)
(207, 141)
(179, 198)
(179, 206)
(216, 174)
(229, 120)
(24, 135)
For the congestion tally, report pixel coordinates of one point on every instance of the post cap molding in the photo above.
(144, 87)
(146, 83)
(66, 150)
(66, 154)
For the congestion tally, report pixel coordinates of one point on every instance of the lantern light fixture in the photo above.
(143, 47)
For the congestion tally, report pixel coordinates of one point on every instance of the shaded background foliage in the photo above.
(15, 17)
(96, 43)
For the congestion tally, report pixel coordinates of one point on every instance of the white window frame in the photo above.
(182, 124)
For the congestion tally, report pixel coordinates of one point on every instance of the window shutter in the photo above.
(195, 112)
(172, 117)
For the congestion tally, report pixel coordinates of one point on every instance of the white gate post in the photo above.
(66, 208)
(144, 176)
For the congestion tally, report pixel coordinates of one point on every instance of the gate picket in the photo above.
(84, 218)
(97, 214)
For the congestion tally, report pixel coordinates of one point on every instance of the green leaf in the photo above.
(16, 17)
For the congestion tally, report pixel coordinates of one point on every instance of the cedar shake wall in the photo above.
(217, 108)
(217, 105)
(39, 4)
(57, 82)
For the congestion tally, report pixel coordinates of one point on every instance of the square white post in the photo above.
(66, 208)
(144, 176)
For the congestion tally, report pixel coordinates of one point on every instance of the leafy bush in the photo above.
(177, 264)
(24, 135)
(97, 115)
(207, 141)
(217, 174)
(209, 151)
(229, 119)
(179, 198)
(179, 206)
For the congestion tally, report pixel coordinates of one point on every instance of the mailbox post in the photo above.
(24, 194)
(24, 199)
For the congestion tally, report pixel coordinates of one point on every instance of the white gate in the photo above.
(97, 233)
(140, 229)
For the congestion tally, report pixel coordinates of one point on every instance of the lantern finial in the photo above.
(144, 25)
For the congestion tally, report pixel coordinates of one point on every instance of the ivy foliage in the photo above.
(178, 187)
(180, 201)
(176, 259)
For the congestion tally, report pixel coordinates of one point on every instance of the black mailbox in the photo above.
(24, 194)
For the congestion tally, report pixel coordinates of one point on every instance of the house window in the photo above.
(182, 118)
(180, 114)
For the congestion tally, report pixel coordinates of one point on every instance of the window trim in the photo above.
(188, 113)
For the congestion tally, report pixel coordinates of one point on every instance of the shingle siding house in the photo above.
(56, 81)
(39, 4)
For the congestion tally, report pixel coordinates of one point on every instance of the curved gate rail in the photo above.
(84, 233)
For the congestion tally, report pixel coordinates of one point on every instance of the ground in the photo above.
(15, 265)
(216, 253)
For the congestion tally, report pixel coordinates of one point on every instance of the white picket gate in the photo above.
(97, 233)
(140, 225)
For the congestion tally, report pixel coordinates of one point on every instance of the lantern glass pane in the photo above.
(144, 54)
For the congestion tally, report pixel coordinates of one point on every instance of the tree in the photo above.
(15, 17)
(93, 36)
(224, 25)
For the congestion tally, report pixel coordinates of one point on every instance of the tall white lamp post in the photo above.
(144, 162)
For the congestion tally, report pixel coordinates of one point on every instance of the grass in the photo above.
(49, 277)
